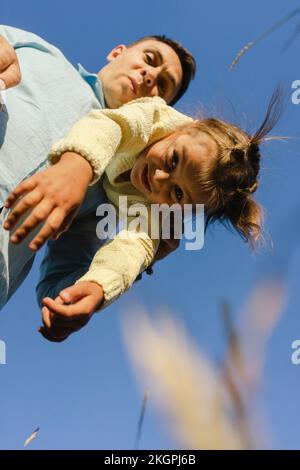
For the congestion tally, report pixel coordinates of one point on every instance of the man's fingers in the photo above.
(52, 225)
(59, 300)
(59, 323)
(58, 327)
(78, 310)
(38, 215)
(66, 223)
(47, 335)
(54, 326)
(21, 208)
(24, 186)
(46, 317)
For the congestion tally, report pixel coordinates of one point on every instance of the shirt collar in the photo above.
(93, 80)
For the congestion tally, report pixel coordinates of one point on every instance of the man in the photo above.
(52, 95)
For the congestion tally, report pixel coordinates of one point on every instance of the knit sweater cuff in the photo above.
(60, 148)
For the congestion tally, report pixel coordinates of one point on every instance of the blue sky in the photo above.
(82, 393)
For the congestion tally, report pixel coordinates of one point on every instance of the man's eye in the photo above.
(178, 192)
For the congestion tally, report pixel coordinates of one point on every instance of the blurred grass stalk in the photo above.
(141, 420)
(184, 385)
(207, 406)
(244, 361)
(266, 33)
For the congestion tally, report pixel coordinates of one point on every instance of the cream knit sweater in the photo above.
(111, 140)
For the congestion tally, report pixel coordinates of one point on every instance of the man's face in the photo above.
(149, 68)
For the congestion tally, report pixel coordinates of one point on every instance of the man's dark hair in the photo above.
(187, 61)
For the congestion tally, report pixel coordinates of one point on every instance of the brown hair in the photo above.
(187, 61)
(228, 181)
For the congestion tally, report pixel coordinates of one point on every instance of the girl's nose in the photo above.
(160, 175)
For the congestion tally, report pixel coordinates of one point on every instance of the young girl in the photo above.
(153, 154)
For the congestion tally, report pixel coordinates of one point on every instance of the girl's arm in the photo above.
(86, 297)
(117, 264)
(128, 130)
(97, 138)
(112, 272)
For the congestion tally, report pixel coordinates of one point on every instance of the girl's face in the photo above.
(165, 171)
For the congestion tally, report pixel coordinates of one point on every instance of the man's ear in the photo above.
(116, 52)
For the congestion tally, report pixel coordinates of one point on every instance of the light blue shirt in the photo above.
(51, 97)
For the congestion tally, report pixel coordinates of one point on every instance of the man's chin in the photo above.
(118, 95)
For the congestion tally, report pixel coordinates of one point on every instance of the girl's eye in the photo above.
(149, 58)
(175, 159)
(178, 192)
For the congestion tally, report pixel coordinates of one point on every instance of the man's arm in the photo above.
(68, 258)
(18, 38)
(12, 39)
(65, 261)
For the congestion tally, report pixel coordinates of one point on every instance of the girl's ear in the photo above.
(115, 52)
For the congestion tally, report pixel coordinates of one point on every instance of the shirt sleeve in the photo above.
(102, 133)
(19, 38)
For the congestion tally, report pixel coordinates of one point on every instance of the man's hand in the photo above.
(62, 320)
(9, 64)
(165, 248)
(54, 195)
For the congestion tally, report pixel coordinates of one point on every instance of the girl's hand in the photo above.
(62, 320)
(54, 195)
